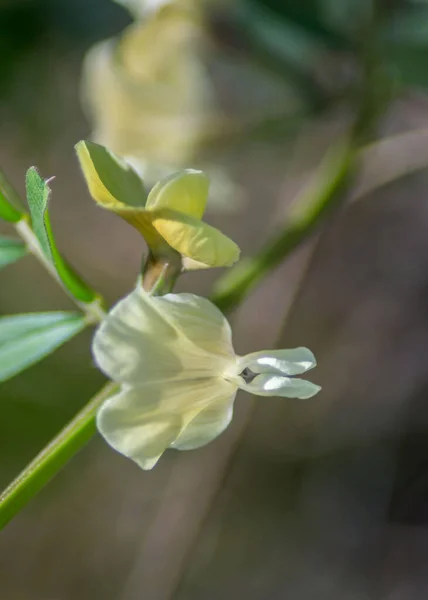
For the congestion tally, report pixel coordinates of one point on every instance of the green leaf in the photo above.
(11, 250)
(26, 339)
(38, 193)
(110, 179)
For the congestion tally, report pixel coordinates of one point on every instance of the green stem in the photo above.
(327, 190)
(161, 273)
(52, 458)
(80, 429)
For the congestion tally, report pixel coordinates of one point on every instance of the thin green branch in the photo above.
(322, 195)
(333, 178)
(52, 458)
(78, 432)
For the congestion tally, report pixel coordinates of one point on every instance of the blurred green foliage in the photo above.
(337, 26)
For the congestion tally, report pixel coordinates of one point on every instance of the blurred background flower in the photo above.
(149, 94)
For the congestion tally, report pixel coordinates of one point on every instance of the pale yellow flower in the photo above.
(170, 217)
(179, 374)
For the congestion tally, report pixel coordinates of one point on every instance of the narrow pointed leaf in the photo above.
(11, 250)
(38, 193)
(26, 339)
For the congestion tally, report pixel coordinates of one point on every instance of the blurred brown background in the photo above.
(326, 498)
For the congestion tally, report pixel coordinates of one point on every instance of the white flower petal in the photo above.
(279, 362)
(209, 423)
(146, 339)
(200, 321)
(135, 425)
(134, 343)
(142, 422)
(274, 385)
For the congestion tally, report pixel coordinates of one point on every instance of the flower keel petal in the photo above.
(274, 385)
(279, 362)
(195, 239)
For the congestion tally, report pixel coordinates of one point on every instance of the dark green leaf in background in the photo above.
(11, 250)
(26, 339)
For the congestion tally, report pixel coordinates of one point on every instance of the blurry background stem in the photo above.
(325, 192)
(327, 189)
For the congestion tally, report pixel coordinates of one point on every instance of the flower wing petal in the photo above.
(279, 362)
(274, 385)
(195, 239)
(142, 422)
(185, 191)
